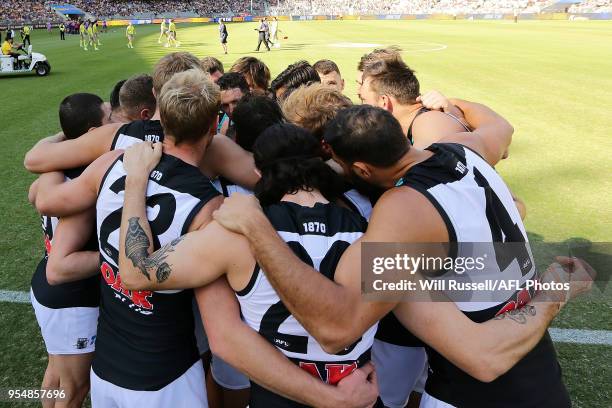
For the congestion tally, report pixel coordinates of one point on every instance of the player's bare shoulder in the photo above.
(402, 214)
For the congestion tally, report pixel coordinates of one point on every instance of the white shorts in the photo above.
(187, 391)
(399, 370)
(227, 376)
(70, 330)
(200, 334)
(427, 401)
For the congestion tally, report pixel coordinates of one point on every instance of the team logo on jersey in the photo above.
(333, 372)
(81, 343)
(139, 300)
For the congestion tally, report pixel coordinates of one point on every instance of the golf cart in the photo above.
(25, 63)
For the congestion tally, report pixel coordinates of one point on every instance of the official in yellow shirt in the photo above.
(162, 29)
(129, 33)
(26, 35)
(82, 42)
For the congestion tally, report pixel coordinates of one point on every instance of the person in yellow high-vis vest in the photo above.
(26, 35)
(82, 34)
(129, 33)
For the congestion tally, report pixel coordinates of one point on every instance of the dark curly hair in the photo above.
(289, 160)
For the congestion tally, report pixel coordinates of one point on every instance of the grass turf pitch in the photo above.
(549, 78)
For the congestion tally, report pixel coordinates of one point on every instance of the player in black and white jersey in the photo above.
(297, 189)
(224, 157)
(145, 339)
(506, 361)
(387, 82)
(65, 289)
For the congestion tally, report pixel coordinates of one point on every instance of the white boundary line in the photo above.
(13, 296)
(573, 336)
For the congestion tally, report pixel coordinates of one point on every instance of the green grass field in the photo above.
(551, 79)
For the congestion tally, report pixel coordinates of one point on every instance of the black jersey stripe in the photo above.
(251, 284)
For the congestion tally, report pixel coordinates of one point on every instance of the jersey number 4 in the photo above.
(504, 229)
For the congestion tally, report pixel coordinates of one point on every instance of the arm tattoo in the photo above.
(519, 315)
(136, 249)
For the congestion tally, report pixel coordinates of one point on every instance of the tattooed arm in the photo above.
(483, 350)
(193, 260)
(184, 262)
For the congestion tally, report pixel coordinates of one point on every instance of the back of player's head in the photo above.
(326, 66)
(288, 158)
(80, 112)
(294, 76)
(393, 78)
(256, 73)
(312, 107)
(136, 96)
(233, 80)
(252, 116)
(114, 96)
(212, 65)
(171, 64)
(188, 105)
(392, 53)
(367, 134)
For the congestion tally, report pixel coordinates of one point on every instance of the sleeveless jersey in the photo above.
(146, 339)
(353, 199)
(319, 236)
(138, 131)
(423, 110)
(227, 188)
(81, 293)
(390, 330)
(477, 206)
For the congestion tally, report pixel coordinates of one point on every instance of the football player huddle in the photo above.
(204, 233)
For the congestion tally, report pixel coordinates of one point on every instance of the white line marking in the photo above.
(579, 336)
(574, 336)
(13, 296)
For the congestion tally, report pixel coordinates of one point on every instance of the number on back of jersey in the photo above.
(315, 227)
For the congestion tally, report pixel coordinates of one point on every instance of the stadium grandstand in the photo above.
(17, 12)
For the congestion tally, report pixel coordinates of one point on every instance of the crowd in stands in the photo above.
(108, 8)
(592, 6)
(26, 11)
(343, 7)
(31, 11)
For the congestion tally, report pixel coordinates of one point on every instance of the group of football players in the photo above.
(204, 234)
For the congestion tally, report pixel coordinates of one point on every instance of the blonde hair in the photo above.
(188, 104)
(171, 64)
(312, 107)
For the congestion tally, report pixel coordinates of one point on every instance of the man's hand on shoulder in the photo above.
(140, 159)
(239, 212)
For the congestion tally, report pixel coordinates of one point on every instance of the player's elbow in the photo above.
(54, 272)
(335, 339)
(32, 163)
(131, 281)
(44, 204)
(488, 368)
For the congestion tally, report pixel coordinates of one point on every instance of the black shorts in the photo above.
(224, 39)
